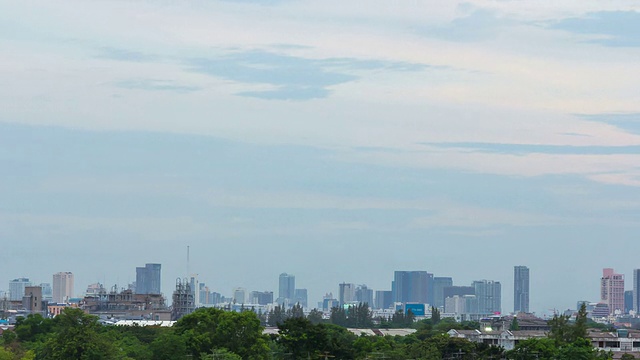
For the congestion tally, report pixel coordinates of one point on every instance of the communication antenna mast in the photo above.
(187, 260)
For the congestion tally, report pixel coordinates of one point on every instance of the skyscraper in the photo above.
(411, 286)
(383, 299)
(636, 290)
(347, 293)
(301, 297)
(520, 289)
(16, 288)
(439, 283)
(148, 279)
(364, 295)
(489, 296)
(612, 290)
(287, 288)
(628, 301)
(62, 286)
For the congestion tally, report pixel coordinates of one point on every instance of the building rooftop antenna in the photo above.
(187, 260)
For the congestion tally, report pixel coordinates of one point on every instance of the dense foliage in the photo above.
(210, 333)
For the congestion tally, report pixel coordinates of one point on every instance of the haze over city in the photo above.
(337, 141)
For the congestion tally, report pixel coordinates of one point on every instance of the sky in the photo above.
(337, 141)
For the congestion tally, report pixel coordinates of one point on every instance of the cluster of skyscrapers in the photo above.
(59, 290)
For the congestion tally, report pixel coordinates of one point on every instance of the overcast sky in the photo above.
(335, 140)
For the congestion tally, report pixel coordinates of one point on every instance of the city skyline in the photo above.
(488, 293)
(459, 138)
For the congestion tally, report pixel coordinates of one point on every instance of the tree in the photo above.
(207, 329)
(561, 332)
(514, 324)
(76, 336)
(338, 316)
(300, 338)
(33, 328)
(168, 346)
(315, 316)
(580, 326)
(220, 354)
(435, 316)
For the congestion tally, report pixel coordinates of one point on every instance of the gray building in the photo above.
(347, 293)
(16, 288)
(384, 299)
(286, 288)
(451, 291)
(412, 286)
(636, 290)
(364, 295)
(439, 283)
(489, 296)
(301, 297)
(148, 279)
(520, 289)
(628, 301)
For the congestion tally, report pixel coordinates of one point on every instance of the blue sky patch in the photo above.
(293, 77)
(613, 28)
(523, 149)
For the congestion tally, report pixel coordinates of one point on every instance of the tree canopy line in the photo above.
(211, 333)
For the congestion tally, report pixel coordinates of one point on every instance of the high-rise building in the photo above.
(239, 295)
(16, 288)
(347, 293)
(636, 290)
(62, 287)
(451, 291)
(520, 289)
(364, 295)
(148, 279)
(411, 286)
(383, 299)
(612, 290)
(262, 297)
(47, 292)
(628, 301)
(439, 283)
(489, 296)
(287, 288)
(300, 297)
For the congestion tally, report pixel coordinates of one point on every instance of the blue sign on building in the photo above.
(416, 309)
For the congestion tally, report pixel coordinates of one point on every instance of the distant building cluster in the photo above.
(415, 291)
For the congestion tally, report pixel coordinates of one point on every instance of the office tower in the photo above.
(451, 291)
(636, 290)
(16, 288)
(364, 295)
(520, 289)
(489, 296)
(239, 295)
(628, 301)
(347, 293)
(148, 279)
(411, 286)
(62, 287)
(262, 297)
(612, 290)
(300, 297)
(47, 292)
(287, 287)
(439, 283)
(384, 299)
